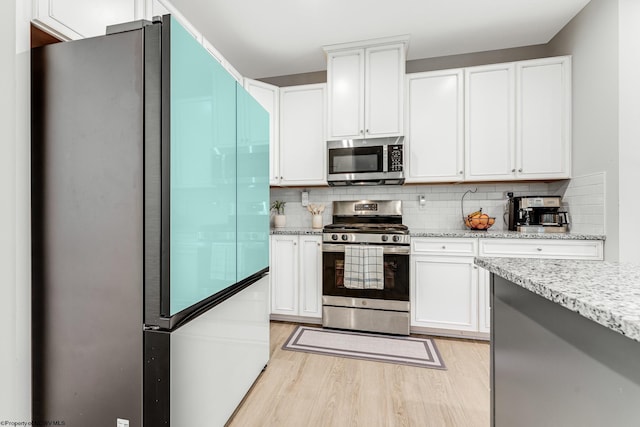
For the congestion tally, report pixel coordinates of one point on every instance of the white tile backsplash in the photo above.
(442, 208)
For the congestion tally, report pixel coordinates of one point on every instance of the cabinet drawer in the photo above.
(437, 246)
(541, 248)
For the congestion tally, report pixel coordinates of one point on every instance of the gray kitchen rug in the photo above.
(382, 348)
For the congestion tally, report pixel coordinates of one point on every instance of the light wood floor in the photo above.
(301, 389)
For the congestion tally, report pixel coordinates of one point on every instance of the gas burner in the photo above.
(367, 228)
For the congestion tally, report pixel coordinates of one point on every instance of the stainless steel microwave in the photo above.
(366, 161)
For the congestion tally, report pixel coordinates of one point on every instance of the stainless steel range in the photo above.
(365, 257)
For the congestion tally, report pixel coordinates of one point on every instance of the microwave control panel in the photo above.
(395, 158)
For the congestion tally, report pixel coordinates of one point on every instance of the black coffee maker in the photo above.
(537, 214)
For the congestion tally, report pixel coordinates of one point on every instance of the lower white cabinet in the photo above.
(296, 276)
(451, 296)
(445, 293)
(444, 285)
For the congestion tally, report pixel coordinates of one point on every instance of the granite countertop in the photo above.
(607, 293)
(296, 231)
(503, 234)
(496, 234)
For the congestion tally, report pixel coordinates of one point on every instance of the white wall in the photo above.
(592, 39)
(629, 129)
(15, 284)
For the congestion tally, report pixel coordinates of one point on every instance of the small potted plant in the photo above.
(279, 219)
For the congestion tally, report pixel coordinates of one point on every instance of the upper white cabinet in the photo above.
(434, 137)
(499, 122)
(76, 19)
(543, 121)
(489, 122)
(302, 135)
(365, 89)
(518, 120)
(269, 97)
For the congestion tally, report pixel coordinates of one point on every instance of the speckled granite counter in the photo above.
(499, 234)
(288, 231)
(460, 233)
(607, 293)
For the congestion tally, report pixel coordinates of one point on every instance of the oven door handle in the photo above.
(396, 250)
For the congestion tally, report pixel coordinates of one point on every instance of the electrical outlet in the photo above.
(305, 198)
(422, 201)
(122, 422)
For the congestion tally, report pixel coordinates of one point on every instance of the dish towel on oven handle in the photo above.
(363, 267)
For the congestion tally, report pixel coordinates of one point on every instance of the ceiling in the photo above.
(263, 38)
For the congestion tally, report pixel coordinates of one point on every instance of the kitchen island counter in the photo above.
(607, 293)
(565, 342)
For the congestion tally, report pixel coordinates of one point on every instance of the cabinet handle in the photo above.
(318, 244)
(367, 131)
(539, 249)
(513, 170)
(280, 177)
(444, 247)
(520, 170)
(361, 132)
(461, 172)
(295, 244)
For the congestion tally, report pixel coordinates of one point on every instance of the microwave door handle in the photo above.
(385, 158)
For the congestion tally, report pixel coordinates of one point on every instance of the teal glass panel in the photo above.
(203, 173)
(253, 185)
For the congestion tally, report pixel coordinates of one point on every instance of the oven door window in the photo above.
(396, 278)
(355, 160)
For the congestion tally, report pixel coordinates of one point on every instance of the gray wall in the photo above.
(15, 283)
(629, 129)
(429, 64)
(592, 39)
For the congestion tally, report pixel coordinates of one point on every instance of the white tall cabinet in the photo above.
(499, 122)
(490, 122)
(518, 120)
(302, 135)
(296, 276)
(543, 121)
(365, 89)
(268, 96)
(434, 139)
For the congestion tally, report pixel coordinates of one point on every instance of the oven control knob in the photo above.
(345, 237)
(396, 238)
(334, 237)
(385, 237)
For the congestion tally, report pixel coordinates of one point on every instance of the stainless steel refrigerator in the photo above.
(150, 213)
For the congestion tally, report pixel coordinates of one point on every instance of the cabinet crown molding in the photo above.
(369, 43)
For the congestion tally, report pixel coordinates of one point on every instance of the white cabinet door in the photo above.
(384, 83)
(489, 123)
(484, 300)
(543, 118)
(365, 91)
(445, 293)
(76, 19)
(302, 137)
(345, 84)
(310, 276)
(435, 126)
(268, 96)
(284, 275)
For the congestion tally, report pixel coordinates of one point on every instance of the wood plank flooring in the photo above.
(301, 389)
